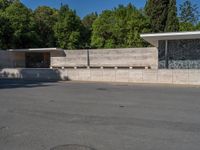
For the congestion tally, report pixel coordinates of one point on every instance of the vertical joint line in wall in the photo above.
(156, 75)
(188, 76)
(77, 70)
(90, 74)
(142, 75)
(115, 74)
(101, 74)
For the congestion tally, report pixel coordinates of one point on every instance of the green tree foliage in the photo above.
(45, 18)
(172, 23)
(187, 26)
(119, 28)
(189, 16)
(22, 25)
(5, 3)
(189, 12)
(5, 31)
(68, 29)
(88, 21)
(157, 11)
(162, 15)
(102, 30)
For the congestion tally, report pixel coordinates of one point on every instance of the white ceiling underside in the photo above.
(154, 38)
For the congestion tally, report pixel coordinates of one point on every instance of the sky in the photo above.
(84, 7)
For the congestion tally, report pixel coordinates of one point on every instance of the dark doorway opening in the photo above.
(37, 60)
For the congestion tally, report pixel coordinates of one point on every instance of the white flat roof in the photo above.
(36, 50)
(153, 38)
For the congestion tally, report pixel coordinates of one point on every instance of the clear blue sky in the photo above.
(84, 7)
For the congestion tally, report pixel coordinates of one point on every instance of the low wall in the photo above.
(30, 74)
(128, 57)
(186, 77)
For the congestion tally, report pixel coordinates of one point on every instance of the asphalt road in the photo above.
(39, 116)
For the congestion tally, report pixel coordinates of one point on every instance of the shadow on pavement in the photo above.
(18, 83)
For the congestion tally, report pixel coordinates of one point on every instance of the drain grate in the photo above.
(72, 147)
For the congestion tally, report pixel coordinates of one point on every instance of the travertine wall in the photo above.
(30, 74)
(69, 58)
(129, 57)
(185, 76)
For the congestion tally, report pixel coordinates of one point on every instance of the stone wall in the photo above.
(30, 74)
(69, 58)
(182, 54)
(185, 76)
(130, 57)
(176, 76)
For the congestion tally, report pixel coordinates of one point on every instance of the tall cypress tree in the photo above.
(157, 10)
(172, 24)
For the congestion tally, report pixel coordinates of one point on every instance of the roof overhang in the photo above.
(36, 50)
(154, 38)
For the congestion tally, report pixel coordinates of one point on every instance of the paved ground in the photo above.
(39, 116)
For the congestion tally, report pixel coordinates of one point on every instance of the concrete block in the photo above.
(150, 76)
(122, 75)
(181, 76)
(63, 73)
(96, 74)
(194, 77)
(135, 76)
(165, 76)
(40, 74)
(84, 74)
(58, 61)
(109, 75)
(73, 74)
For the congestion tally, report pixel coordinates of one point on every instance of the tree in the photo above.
(5, 32)
(172, 23)
(22, 26)
(189, 12)
(103, 30)
(5, 3)
(137, 24)
(120, 27)
(88, 21)
(157, 11)
(187, 26)
(68, 29)
(45, 19)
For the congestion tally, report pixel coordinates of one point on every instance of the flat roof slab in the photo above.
(153, 38)
(36, 50)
